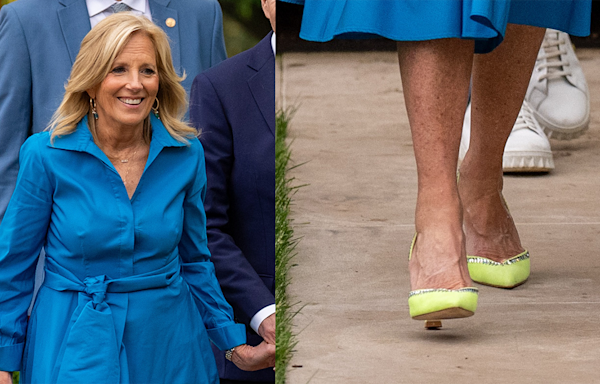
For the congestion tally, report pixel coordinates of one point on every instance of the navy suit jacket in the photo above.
(39, 40)
(233, 104)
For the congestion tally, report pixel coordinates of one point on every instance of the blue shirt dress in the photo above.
(413, 20)
(130, 294)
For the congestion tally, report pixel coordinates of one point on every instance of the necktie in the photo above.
(120, 7)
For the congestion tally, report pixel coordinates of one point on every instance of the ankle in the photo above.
(475, 176)
(438, 260)
(480, 192)
(437, 207)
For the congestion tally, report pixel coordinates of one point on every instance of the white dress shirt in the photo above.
(260, 316)
(273, 45)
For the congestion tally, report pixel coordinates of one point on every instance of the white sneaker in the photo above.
(527, 148)
(558, 93)
(465, 139)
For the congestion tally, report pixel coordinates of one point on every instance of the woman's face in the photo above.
(125, 96)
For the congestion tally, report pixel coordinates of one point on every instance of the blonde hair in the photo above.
(99, 49)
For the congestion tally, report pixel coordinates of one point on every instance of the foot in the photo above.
(558, 92)
(489, 228)
(527, 149)
(438, 257)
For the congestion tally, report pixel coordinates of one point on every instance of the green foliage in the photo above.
(244, 8)
(285, 244)
(15, 377)
(4, 2)
(248, 14)
(244, 24)
(237, 39)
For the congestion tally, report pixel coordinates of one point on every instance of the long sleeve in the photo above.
(241, 284)
(22, 235)
(199, 271)
(15, 100)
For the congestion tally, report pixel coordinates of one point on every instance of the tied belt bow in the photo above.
(92, 350)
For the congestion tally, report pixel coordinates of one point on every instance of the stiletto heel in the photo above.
(440, 303)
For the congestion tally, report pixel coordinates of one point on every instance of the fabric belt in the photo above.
(92, 350)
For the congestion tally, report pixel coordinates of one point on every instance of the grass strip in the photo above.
(285, 244)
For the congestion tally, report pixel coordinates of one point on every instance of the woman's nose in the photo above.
(135, 83)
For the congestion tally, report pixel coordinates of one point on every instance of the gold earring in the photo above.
(155, 109)
(93, 108)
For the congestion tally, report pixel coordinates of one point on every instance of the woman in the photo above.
(114, 194)
(439, 42)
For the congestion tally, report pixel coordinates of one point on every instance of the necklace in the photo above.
(128, 166)
(125, 161)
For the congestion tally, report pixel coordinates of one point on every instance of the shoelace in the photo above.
(525, 120)
(553, 48)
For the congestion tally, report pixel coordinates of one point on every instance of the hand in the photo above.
(266, 329)
(5, 377)
(249, 358)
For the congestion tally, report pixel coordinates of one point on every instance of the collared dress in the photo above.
(414, 20)
(130, 294)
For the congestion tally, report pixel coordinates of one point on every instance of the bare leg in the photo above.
(435, 79)
(500, 81)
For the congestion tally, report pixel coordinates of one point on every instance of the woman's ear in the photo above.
(91, 93)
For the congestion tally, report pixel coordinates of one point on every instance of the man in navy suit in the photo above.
(39, 40)
(233, 104)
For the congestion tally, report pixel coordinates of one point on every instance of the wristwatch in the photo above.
(229, 353)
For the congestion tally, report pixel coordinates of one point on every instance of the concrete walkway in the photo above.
(356, 222)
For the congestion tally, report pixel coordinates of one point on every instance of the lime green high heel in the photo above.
(507, 274)
(440, 303)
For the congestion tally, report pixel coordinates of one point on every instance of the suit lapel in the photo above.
(262, 84)
(74, 23)
(160, 13)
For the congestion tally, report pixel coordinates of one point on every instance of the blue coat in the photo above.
(233, 104)
(39, 40)
(130, 294)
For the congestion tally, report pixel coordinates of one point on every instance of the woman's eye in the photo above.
(118, 70)
(148, 71)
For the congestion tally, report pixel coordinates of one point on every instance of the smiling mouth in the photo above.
(130, 101)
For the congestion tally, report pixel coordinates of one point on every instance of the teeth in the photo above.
(131, 101)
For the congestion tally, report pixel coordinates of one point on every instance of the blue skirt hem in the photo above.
(416, 20)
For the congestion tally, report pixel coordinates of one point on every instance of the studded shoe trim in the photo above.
(422, 291)
(483, 260)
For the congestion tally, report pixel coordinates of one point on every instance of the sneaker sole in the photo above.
(527, 162)
(561, 133)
